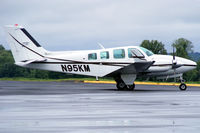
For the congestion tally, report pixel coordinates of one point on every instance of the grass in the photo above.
(58, 80)
(78, 79)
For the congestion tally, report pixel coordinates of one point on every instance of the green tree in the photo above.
(193, 75)
(198, 71)
(155, 46)
(1, 47)
(7, 66)
(183, 47)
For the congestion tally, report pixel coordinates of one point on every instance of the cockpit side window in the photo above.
(92, 56)
(118, 53)
(148, 52)
(134, 53)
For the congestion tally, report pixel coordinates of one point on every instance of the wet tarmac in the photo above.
(65, 107)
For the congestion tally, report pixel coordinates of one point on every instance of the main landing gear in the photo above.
(125, 82)
(122, 86)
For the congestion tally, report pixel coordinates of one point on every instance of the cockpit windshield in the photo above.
(148, 52)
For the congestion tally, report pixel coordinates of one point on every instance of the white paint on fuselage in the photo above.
(161, 67)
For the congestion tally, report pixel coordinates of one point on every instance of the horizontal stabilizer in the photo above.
(26, 62)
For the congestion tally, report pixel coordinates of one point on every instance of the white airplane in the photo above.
(124, 64)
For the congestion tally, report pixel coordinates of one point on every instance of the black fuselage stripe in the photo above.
(189, 65)
(110, 64)
(171, 65)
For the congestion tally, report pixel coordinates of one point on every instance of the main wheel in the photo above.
(183, 87)
(121, 85)
(131, 87)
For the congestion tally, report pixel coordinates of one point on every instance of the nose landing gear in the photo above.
(182, 86)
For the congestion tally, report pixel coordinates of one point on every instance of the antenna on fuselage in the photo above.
(102, 47)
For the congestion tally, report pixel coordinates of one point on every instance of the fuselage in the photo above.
(100, 62)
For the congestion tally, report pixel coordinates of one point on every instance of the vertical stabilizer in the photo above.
(23, 46)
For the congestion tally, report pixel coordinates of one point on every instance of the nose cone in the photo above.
(188, 64)
(192, 64)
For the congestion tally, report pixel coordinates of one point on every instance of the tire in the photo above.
(183, 87)
(131, 87)
(121, 86)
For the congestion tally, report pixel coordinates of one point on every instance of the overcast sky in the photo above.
(81, 24)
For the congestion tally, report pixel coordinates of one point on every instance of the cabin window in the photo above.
(104, 55)
(118, 53)
(92, 56)
(134, 53)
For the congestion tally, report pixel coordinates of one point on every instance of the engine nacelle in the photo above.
(159, 68)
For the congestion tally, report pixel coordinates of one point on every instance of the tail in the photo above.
(24, 47)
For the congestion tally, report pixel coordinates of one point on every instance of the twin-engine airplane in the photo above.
(124, 64)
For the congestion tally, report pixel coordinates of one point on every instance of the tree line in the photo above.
(9, 69)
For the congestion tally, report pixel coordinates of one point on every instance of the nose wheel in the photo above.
(182, 86)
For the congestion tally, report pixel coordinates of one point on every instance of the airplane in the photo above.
(124, 64)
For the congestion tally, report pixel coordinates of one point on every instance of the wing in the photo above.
(137, 67)
(133, 68)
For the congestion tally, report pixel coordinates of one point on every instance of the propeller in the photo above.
(174, 63)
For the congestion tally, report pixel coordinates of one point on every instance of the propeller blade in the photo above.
(173, 53)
